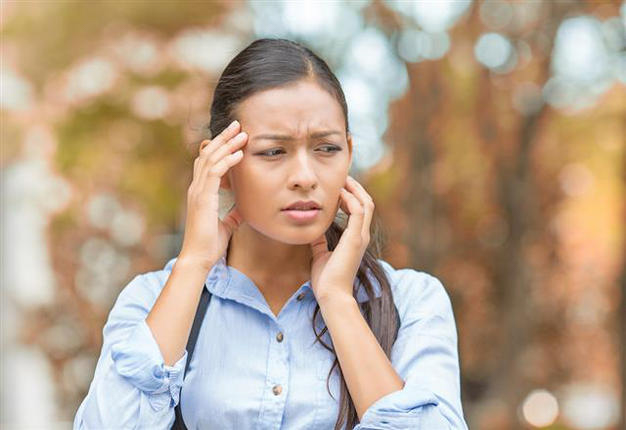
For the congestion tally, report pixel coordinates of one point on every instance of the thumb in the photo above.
(319, 246)
(232, 220)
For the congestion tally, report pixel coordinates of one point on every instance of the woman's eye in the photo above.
(277, 151)
(270, 152)
(331, 148)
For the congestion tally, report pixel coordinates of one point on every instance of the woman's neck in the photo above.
(278, 269)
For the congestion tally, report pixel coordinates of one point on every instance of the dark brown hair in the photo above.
(270, 63)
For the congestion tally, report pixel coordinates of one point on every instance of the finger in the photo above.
(219, 169)
(319, 246)
(229, 147)
(358, 190)
(366, 201)
(233, 219)
(196, 168)
(343, 205)
(210, 145)
(367, 220)
(355, 220)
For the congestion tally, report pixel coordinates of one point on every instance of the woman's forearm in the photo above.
(173, 312)
(366, 369)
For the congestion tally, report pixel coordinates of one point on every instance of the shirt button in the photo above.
(277, 389)
(279, 336)
(301, 296)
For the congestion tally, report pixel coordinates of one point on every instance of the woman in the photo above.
(301, 331)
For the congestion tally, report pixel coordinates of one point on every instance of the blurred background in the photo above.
(491, 135)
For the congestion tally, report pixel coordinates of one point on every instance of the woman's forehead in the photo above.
(295, 109)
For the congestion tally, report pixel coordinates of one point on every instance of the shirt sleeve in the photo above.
(132, 386)
(425, 355)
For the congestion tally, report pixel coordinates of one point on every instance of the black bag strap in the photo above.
(179, 424)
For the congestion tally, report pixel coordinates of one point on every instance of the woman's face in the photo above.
(297, 149)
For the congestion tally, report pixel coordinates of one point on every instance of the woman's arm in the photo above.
(133, 387)
(172, 315)
(425, 391)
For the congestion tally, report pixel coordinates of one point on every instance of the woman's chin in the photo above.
(294, 233)
(302, 237)
(298, 235)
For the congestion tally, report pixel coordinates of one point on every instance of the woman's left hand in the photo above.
(333, 272)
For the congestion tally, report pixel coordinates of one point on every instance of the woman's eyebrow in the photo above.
(286, 138)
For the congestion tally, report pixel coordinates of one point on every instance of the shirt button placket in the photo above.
(278, 376)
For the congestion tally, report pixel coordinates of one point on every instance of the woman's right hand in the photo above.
(206, 236)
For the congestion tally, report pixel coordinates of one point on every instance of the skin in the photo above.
(301, 168)
(267, 243)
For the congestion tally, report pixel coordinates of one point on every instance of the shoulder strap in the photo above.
(398, 323)
(179, 424)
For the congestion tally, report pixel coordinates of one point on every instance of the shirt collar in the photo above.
(221, 279)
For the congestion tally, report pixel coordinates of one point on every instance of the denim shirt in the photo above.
(252, 369)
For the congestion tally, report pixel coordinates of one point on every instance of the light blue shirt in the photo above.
(239, 360)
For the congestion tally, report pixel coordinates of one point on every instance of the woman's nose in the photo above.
(302, 173)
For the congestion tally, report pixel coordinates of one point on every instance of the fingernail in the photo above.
(234, 124)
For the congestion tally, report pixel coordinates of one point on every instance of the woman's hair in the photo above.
(271, 63)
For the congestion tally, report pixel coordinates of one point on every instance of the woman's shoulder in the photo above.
(417, 293)
(144, 288)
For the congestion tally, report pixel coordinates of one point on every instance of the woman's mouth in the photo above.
(301, 216)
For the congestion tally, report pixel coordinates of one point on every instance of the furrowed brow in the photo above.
(287, 138)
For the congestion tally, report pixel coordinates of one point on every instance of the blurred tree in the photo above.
(472, 190)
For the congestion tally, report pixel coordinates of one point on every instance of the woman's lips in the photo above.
(301, 216)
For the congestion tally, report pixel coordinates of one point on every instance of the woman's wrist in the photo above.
(190, 262)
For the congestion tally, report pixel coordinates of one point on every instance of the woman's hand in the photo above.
(333, 273)
(206, 236)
